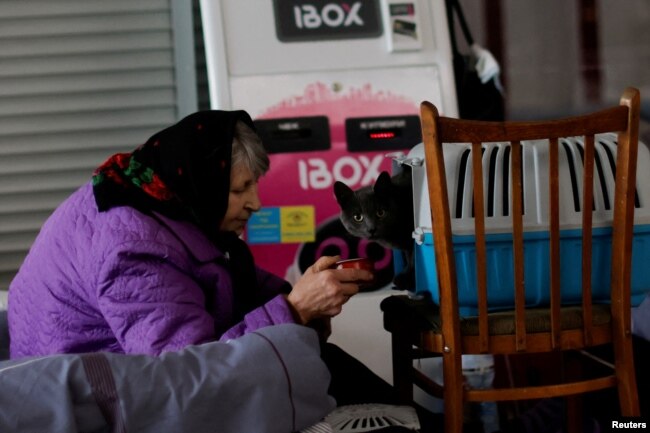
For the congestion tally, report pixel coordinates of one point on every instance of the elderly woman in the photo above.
(147, 257)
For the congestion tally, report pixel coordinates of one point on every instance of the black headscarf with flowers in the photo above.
(183, 172)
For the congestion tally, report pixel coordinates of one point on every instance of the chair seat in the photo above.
(423, 314)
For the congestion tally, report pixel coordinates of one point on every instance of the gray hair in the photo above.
(247, 149)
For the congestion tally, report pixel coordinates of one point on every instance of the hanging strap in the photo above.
(454, 8)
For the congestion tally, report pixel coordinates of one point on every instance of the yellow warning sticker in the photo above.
(297, 224)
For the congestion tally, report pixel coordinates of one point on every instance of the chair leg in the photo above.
(453, 392)
(573, 370)
(627, 388)
(574, 414)
(402, 366)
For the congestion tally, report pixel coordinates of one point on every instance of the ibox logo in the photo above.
(332, 15)
(313, 20)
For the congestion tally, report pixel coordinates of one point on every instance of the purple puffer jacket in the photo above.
(124, 282)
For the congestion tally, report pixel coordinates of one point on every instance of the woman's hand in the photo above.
(322, 291)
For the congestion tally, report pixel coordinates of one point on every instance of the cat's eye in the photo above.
(380, 213)
(357, 217)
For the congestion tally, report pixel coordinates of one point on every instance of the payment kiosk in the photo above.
(334, 88)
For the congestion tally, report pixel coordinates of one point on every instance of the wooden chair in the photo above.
(421, 329)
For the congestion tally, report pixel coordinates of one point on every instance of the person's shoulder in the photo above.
(79, 212)
(128, 223)
(72, 213)
(123, 227)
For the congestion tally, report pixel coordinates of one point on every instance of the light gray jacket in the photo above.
(271, 380)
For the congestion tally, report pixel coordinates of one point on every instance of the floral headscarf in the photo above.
(183, 172)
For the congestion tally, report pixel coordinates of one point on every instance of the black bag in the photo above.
(476, 100)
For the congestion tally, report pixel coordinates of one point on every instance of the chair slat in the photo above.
(554, 240)
(518, 245)
(587, 224)
(479, 232)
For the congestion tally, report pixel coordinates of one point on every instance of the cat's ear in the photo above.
(343, 193)
(383, 183)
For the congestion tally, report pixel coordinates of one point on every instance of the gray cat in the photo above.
(383, 213)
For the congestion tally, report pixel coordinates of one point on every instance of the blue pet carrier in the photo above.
(496, 168)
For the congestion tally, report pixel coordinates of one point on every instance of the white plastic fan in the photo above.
(360, 418)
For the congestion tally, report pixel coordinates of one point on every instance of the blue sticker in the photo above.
(264, 227)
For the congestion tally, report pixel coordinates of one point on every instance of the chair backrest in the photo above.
(624, 120)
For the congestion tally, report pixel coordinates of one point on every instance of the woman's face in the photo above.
(242, 200)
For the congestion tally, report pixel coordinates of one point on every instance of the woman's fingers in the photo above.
(324, 262)
(354, 275)
(322, 290)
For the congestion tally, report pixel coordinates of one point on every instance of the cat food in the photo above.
(358, 263)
